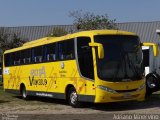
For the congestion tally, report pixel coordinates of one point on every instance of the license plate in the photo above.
(127, 96)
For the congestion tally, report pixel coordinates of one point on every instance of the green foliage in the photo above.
(91, 21)
(9, 40)
(1, 83)
(57, 32)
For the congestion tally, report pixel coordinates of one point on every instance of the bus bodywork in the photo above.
(69, 67)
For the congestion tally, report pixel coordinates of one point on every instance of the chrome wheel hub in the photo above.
(151, 83)
(73, 97)
(24, 94)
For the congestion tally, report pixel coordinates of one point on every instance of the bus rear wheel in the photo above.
(23, 92)
(73, 98)
(152, 84)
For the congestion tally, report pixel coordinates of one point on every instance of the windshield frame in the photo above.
(116, 79)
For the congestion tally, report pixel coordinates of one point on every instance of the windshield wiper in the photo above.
(122, 54)
(126, 60)
(133, 67)
(117, 71)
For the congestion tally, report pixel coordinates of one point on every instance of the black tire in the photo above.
(73, 98)
(152, 84)
(24, 92)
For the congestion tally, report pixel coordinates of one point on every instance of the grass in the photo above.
(13, 99)
(1, 83)
(1, 88)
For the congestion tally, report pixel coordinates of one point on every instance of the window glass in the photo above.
(85, 58)
(122, 58)
(63, 50)
(66, 50)
(16, 56)
(26, 56)
(37, 54)
(50, 52)
(8, 60)
(146, 57)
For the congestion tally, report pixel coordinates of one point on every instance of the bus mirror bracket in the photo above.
(100, 49)
(155, 47)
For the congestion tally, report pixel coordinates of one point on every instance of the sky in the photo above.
(56, 12)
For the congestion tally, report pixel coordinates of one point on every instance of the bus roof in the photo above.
(47, 40)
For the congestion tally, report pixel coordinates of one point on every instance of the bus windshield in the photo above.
(122, 60)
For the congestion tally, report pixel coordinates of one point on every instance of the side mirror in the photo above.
(155, 47)
(100, 49)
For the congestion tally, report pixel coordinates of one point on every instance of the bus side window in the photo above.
(66, 50)
(85, 57)
(38, 59)
(37, 54)
(146, 57)
(50, 52)
(51, 57)
(8, 59)
(17, 58)
(26, 56)
(27, 60)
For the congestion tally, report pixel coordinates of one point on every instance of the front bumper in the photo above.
(104, 96)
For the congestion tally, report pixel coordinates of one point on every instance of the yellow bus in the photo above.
(90, 66)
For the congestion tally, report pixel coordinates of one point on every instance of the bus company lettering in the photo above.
(38, 77)
(38, 72)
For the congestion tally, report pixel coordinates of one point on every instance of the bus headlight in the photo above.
(106, 89)
(141, 87)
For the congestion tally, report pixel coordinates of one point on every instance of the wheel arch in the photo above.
(153, 74)
(22, 85)
(149, 90)
(67, 90)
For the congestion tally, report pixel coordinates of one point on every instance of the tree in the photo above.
(57, 32)
(9, 40)
(91, 21)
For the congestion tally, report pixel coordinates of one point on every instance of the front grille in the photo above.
(123, 91)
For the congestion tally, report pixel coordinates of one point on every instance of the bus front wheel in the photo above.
(73, 98)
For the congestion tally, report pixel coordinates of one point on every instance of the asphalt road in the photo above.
(12, 107)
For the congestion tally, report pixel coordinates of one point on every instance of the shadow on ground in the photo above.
(151, 102)
(3, 101)
(45, 100)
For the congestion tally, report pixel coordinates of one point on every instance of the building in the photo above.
(146, 30)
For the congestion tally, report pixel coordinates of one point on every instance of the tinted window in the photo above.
(66, 50)
(146, 57)
(85, 58)
(50, 52)
(37, 54)
(122, 58)
(63, 50)
(26, 56)
(8, 59)
(16, 57)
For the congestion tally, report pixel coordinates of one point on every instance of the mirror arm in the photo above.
(100, 49)
(154, 45)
